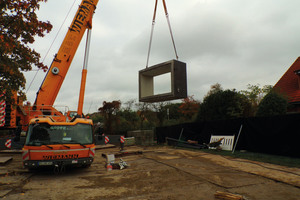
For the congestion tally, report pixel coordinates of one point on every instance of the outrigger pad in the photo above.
(177, 71)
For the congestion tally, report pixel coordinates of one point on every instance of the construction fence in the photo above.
(278, 135)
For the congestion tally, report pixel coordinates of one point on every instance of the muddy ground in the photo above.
(160, 172)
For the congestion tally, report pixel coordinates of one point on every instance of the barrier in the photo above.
(226, 143)
(106, 139)
(122, 139)
(267, 135)
(8, 143)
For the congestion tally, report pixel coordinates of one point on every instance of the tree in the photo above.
(272, 104)
(146, 115)
(18, 27)
(128, 105)
(109, 111)
(189, 108)
(128, 120)
(213, 89)
(161, 111)
(255, 94)
(97, 117)
(174, 113)
(221, 104)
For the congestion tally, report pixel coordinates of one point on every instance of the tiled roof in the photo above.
(288, 83)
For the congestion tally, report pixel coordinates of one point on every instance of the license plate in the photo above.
(45, 163)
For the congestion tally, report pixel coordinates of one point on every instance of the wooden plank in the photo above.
(228, 196)
(4, 160)
(11, 151)
(123, 154)
(106, 146)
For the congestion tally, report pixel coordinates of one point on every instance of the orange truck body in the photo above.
(56, 144)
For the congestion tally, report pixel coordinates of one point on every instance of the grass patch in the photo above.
(267, 158)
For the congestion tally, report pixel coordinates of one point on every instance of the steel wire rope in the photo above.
(152, 30)
(59, 30)
(151, 34)
(169, 24)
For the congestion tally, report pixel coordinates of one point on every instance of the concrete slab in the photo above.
(4, 160)
(178, 82)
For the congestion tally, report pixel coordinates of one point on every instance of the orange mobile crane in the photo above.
(54, 139)
(20, 115)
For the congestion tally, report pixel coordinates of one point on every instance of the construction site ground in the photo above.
(159, 172)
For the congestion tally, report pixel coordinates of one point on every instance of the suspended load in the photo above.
(177, 70)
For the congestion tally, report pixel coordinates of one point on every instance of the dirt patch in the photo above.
(158, 173)
(279, 173)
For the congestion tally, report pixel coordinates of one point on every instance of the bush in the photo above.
(272, 104)
(221, 104)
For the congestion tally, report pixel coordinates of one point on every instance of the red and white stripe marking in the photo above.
(2, 112)
(92, 152)
(25, 155)
(106, 139)
(8, 143)
(122, 139)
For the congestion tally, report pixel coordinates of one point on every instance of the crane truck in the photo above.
(53, 138)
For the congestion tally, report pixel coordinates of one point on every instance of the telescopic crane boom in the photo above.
(56, 74)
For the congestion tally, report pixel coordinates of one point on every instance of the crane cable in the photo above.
(169, 24)
(151, 35)
(51, 45)
(152, 29)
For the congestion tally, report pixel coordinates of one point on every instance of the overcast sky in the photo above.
(231, 42)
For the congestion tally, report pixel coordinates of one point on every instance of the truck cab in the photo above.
(59, 144)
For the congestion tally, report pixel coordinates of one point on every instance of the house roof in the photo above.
(288, 84)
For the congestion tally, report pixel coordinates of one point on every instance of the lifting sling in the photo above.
(152, 29)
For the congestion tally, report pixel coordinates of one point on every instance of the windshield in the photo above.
(44, 134)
